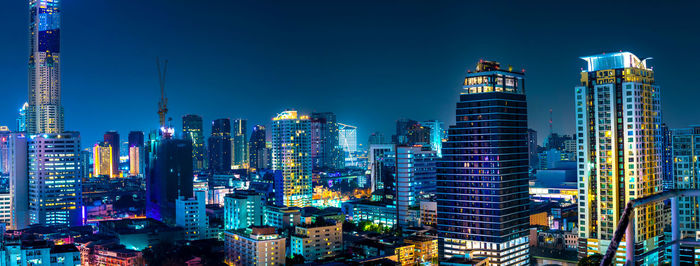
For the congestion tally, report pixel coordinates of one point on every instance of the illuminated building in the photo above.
(102, 160)
(192, 130)
(403, 127)
(619, 154)
(686, 175)
(319, 240)
(39, 252)
(44, 110)
(254, 246)
(108, 253)
(19, 182)
(242, 209)
(168, 177)
(4, 150)
(375, 212)
(666, 157)
(425, 249)
(376, 138)
(112, 138)
(382, 163)
(191, 214)
(55, 184)
(291, 153)
(326, 152)
(257, 147)
(281, 217)
(436, 135)
(532, 148)
(137, 153)
(415, 179)
(5, 209)
(405, 254)
(86, 166)
(347, 136)
(22, 118)
(220, 146)
(483, 175)
(428, 213)
(240, 144)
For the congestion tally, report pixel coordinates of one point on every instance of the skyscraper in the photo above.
(44, 112)
(325, 145)
(169, 176)
(686, 175)
(112, 138)
(22, 118)
(532, 148)
(192, 130)
(291, 154)
(482, 179)
(220, 146)
(19, 183)
(666, 139)
(257, 147)
(619, 152)
(55, 181)
(137, 153)
(240, 143)
(5, 150)
(347, 136)
(376, 138)
(415, 179)
(436, 134)
(102, 159)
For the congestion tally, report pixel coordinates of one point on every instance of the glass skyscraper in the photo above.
(220, 146)
(291, 154)
(193, 131)
(482, 179)
(326, 152)
(240, 143)
(44, 112)
(257, 147)
(112, 138)
(619, 152)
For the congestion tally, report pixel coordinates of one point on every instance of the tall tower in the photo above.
(112, 138)
(193, 131)
(325, 144)
(619, 152)
(291, 154)
(482, 179)
(257, 147)
(240, 143)
(44, 112)
(220, 146)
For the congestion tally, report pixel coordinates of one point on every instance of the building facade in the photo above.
(326, 152)
(482, 180)
(112, 139)
(256, 155)
(415, 179)
(317, 241)
(242, 209)
(169, 176)
(255, 246)
(291, 154)
(220, 146)
(191, 214)
(240, 144)
(102, 159)
(192, 130)
(619, 153)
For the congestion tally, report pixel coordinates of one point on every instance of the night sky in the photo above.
(369, 62)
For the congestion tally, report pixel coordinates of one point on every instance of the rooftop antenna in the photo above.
(163, 104)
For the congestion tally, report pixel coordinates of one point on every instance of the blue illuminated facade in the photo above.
(169, 176)
(482, 179)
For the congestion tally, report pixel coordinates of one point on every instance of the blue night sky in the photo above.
(369, 62)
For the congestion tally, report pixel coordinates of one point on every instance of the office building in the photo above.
(666, 138)
(193, 130)
(4, 150)
(415, 179)
(112, 138)
(382, 163)
(55, 181)
(320, 240)
(240, 144)
(482, 179)
(242, 209)
(436, 135)
(257, 146)
(19, 182)
(687, 176)
(376, 138)
(326, 152)
(22, 118)
(169, 176)
(191, 214)
(619, 153)
(281, 217)
(255, 246)
(44, 109)
(220, 146)
(291, 154)
(137, 153)
(532, 148)
(347, 138)
(102, 160)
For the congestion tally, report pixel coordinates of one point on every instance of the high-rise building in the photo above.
(22, 118)
(55, 181)
(192, 130)
(382, 164)
(257, 146)
(403, 126)
(44, 110)
(619, 153)
(291, 154)
(102, 159)
(137, 153)
(19, 182)
(348, 143)
(532, 148)
(168, 176)
(686, 175)
(220, 146)
(191, 214)
(242, 209)
(482, 179)
(666, 139)
(326, 152)
(112, 138)
(320, 240)
(437, 134)
(415, 179)
(376, 138)
(4, 150)
(240, 143)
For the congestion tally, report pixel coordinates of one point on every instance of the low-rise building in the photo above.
(109, 253)
(320, 240)
(426, 249)
(281, 217)
(375, 212)
(39, 252)
(141, 233)
(428, 213)
(255, 246)
(242, 209)
(191, 214)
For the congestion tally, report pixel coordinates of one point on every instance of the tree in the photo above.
(295, 259)
(592, 260)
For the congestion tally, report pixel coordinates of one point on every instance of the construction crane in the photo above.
(163, 104)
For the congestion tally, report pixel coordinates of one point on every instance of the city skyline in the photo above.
(425, 58)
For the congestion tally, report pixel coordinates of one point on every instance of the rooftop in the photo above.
(614, 61)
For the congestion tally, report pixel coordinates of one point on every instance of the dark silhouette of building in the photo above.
(220, 146)
(136, 139)
(257, 148)
(169, 175)
(112, 137)
(325, 145)
(192, 130)
(240, 143)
